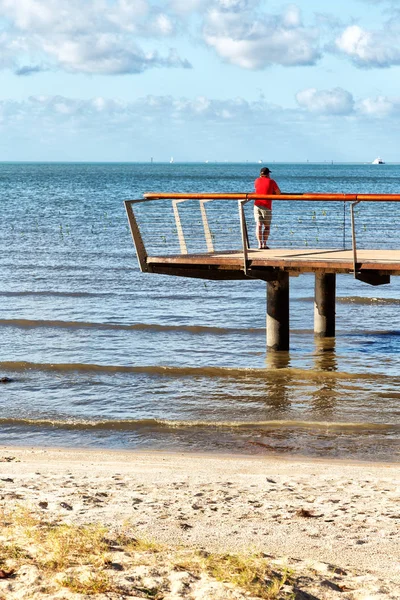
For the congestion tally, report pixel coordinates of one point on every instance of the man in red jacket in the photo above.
(263, 208)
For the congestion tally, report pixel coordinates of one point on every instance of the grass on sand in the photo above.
(91, 559)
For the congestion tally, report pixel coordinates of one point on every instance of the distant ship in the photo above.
(378, 161)
(260, 162)
(171, 160)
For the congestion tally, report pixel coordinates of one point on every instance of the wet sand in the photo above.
(336, 523)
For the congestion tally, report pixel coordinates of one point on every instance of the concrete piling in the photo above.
(278, 313)
(324, 304)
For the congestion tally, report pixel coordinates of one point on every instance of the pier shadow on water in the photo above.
(324, 389)
(324, 397)
(313, 405)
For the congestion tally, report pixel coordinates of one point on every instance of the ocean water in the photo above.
(102, 355)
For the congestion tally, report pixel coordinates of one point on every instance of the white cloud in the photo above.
(390, 2)
(250, 42)
(326, 102)
(188, 6)
(100, 111)
(94, 36)
(101, 128)
(201, 109)
(106, 54)
(236, 6)
(291, 16)
(370, 49)
(380, 107)
(74, 16)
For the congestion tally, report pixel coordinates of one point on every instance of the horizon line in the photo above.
(202, 162)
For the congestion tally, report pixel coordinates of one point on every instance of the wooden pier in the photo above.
(275, 265)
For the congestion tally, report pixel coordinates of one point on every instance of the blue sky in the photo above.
(235, 80)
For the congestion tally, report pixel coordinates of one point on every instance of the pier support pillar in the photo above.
(278, 313)
(324, 304)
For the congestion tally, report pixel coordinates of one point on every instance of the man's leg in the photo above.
(259, 234)
(257, 217)
(265, 234)
(267, 227)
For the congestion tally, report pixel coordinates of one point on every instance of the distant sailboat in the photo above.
(171, 160)
(378, 161)
(260, 162)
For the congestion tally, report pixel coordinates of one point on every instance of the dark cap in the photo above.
(265, 171)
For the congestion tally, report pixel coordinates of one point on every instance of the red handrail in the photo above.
(303, 197)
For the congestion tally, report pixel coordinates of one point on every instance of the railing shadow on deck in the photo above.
(167, 224)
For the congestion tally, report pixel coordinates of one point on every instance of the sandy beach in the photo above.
(334, 525)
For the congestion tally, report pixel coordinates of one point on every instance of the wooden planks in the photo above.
(300, 260)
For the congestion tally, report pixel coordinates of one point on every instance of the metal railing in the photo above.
(172, 223)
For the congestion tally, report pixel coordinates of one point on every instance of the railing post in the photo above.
(181, 237)
(207, 232)
(243, 230)
(353, 236)
(137, 238)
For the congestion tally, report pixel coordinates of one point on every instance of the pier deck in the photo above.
(294, 260)
(180, 236)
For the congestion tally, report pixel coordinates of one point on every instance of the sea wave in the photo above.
(160, 328)
(195, 329)
(50, 293)
(358, 300)
(286, 373)
(113, 294)
(368, 301)
(76, 267)
(135, 424)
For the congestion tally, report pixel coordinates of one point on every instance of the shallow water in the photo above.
(103, 355)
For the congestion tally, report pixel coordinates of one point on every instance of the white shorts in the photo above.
(264, 215)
